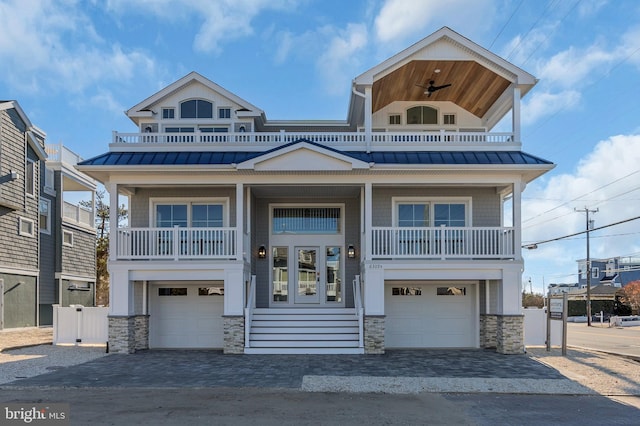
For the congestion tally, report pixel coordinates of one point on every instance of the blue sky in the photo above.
(75, 66)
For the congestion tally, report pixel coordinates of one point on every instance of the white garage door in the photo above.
(186, 316)
(430, 315)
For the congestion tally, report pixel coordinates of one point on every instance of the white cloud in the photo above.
(607, 179)
(399, 20)
(59, 48)
(544, 104)
(341, 56)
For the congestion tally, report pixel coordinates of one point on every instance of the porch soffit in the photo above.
(473, 86)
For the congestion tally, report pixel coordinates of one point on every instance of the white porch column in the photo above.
(120, 293)
(516, 207)
(368, 218)
(368, 102)
(510, 292)
(239, 221)
(234, 292)
(112, 188)
(373, 290)
(517, 137)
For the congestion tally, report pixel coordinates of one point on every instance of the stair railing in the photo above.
(248, 310)
(357, 300)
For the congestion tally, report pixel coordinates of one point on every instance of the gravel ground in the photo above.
(17, 338)
(35, 360)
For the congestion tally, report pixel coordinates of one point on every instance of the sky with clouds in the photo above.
(75, 66)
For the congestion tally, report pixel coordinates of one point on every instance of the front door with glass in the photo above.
(307, 275)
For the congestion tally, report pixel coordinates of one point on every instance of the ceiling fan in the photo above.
(432, 88)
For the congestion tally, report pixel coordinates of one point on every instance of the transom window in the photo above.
(422, 115)
(196, 108)
(306, 220)
(196, 215)
(419, 213)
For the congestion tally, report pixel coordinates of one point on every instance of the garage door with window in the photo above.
(430, 315)
(186, 316)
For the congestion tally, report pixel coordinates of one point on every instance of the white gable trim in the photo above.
(480, 54)
(142, 109)
(302, 156)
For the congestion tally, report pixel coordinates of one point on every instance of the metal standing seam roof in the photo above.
(175, 158)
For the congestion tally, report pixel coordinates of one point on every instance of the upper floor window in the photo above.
(595, 272)
(422, 115)
(30, 178)
(196, 108)
(168, 113)
(224, 112)
(45, 216)
(205, 214)
(449, 119)
(394, 119)
(49, 176)
(26, 227)
(425, 213)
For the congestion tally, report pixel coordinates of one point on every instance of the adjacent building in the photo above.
(398, 227)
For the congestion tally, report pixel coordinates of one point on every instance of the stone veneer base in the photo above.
(488, 330)
(510, 335)
(374, 334)
(233, 334)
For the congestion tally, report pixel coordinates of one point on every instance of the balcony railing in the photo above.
(443, 242)
(438, 139)
(176, 243)
(60, 153)
(78, 214)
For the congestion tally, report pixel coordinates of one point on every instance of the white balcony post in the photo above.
(517, 219)
(368, 219)
(239, 221)
(368, 113)
(176, 242)
(112, 188)
(515, 115)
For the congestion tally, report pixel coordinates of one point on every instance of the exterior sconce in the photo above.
(262, 252)
(351, 251)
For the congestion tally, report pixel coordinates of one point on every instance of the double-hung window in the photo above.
(198, 226)
(420, 221)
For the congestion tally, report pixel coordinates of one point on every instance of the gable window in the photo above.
(224, 112)
(25, 227)
(45, 216)
(30, 178)
(422, 115)
(196, 108)
(449, 119)
(168, 113)
(394, 119)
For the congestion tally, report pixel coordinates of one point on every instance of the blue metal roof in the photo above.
(383, 157)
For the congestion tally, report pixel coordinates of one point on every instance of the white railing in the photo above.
(248, 311)
(443, 242)
(357, 301)
(352, 140)
(60, 153)
(176, 243)
(77, 214)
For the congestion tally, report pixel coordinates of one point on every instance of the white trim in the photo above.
(189, 202)
(64, 242)
(431, 201)
(22, 220)
(46, 230)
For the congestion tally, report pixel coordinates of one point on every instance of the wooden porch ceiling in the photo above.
(473, 87)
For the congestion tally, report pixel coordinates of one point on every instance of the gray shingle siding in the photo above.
(80, 258)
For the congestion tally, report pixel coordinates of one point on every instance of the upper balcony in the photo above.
(438, 140)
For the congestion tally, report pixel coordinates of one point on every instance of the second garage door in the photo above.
(186, 316)
(433, 315)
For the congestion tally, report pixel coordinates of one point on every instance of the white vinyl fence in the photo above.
(535, 328)
(80, 325)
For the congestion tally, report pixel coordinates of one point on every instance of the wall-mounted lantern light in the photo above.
(351, 251)
(262, 252)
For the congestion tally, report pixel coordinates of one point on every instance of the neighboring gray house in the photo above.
(46, 244)
(614, 271)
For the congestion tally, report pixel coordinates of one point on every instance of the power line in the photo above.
(544, 12)
(535, 245)
(506, 23)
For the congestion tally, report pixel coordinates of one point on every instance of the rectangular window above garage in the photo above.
(451, 291)
(172, 291)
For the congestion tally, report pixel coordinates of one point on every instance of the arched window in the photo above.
(422, 115)
(196, 108)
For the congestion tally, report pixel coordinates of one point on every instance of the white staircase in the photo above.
(304, 331)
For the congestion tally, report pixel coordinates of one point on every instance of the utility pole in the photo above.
(588, 266)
